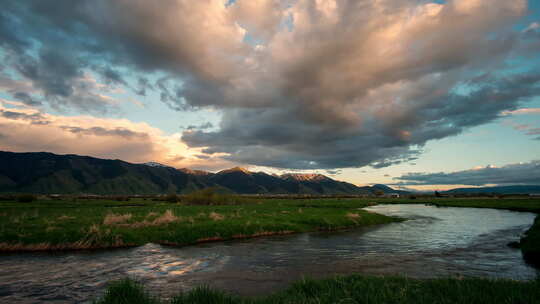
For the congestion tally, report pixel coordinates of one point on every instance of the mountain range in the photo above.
(48, 173)
(516, 189)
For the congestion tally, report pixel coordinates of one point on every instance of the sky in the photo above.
(411, 93)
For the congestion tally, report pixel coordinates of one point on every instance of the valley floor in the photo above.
(95, 224)
(72, 224)
(92, 224)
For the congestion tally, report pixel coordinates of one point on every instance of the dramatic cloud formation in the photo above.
(522, 173)
(300, 84)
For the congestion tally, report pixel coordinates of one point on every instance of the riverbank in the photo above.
(54, 225)
(530, 244)
(437, 243)
(351, 289)
(98, 224)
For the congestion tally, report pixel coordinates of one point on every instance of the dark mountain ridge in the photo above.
(515, 189)
(48, 173)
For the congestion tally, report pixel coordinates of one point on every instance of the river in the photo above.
(433, 242)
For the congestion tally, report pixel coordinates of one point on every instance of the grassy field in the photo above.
(92, 224)
(352, 289)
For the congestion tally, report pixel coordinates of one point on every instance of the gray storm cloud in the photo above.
(100, 131)
(522, 173)
(300, 84)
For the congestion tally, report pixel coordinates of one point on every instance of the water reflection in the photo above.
(434, 242)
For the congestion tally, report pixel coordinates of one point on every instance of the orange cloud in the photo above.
(522, 111)
(27, 130)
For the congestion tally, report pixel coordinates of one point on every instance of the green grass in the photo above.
(530, 243)
(88, 224)
(127, 291)
(81, 224)
(527, 205)
(352, 289)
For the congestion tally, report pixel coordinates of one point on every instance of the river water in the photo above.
(433, 242)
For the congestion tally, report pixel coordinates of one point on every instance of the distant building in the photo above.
(392, 195)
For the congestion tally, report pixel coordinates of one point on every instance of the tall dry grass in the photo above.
(113, 219)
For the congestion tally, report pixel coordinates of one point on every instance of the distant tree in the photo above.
(437, 194)
(171, 198)
(379, 192)
(122, 198)
(26, 198)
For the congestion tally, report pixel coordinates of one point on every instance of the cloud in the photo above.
(83, 92)
(27, 130)
(333, 172)
(99, 131)
(532, 27)
(35, 118)
(143, 84)
(26, 98)
(522, 111)
(339, 101)
(527, 129)
(203, 126)
(535, 132)
(300, 84)
(522, 173)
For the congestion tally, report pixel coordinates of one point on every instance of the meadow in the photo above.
(72, 223)
(95, 224)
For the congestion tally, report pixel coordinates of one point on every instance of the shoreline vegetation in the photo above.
(530, 244)
(48, 225)
(78, 224)
(349, 289)
(90, 223)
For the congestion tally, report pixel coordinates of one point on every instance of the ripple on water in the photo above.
(433, 242)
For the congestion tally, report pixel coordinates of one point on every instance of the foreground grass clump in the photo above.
(530, 243)
(127, 291)
(354, 289)
(92, 224)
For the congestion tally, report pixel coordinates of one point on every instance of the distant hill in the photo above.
(386, 189)
(518, 189)
(50, 173)
(43, 172)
